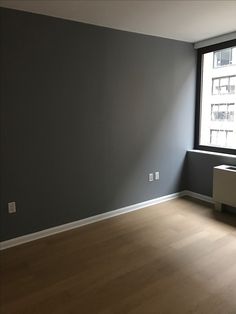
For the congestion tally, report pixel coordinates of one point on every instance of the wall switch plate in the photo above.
(157, 175)
(12, 207)
(150, 177)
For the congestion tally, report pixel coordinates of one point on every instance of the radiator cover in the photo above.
(224, 185)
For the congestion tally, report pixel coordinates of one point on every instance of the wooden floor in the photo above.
(175, 257)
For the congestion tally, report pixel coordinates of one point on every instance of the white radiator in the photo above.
(224, 186)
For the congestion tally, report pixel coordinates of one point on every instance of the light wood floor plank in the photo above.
(174, 257)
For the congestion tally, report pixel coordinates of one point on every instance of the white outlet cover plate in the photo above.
(150, 177)
(11, 207)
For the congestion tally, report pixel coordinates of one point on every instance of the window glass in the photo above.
(218, 99)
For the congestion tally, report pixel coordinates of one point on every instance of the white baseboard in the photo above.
(79, 223)
(201, 197)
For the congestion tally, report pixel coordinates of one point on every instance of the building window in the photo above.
(216, 123)
(223, 57)
(222, 112)
(221, 137)
(223, 85)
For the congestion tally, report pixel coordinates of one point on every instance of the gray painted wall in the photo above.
(199, 170)
(86, 113)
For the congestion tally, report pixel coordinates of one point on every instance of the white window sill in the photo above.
(211, 153)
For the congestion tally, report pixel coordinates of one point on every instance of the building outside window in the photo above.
(222, 112)
(217, 125)
(223, 57)
(221, 137)
(223, 85)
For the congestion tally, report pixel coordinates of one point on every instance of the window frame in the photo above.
(200, 53)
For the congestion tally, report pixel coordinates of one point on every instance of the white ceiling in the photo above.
(190, 21)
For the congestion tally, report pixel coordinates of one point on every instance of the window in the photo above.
(223, 57)
(221, 137)
(223, 85)
(222, 112)
(216, 105)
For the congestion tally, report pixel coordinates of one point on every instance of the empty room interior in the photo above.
(118, 157)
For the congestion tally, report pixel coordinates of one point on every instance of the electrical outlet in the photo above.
(150, 177)
(157, 175)
(12, 207)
